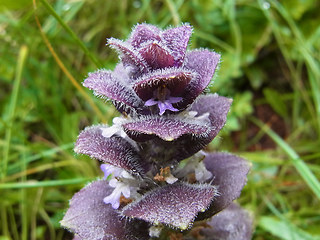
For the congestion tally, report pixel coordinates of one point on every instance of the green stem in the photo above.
(174, 12)
(72, 34)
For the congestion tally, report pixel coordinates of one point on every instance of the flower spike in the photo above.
(156, 177)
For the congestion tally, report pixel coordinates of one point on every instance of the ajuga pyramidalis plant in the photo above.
(159, 183)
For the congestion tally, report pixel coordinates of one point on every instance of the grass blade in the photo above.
(282, 227)
(297, 162)
(13, 102)
(36, 184)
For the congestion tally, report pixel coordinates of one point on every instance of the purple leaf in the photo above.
(175, 205)
(156, 56)
(189, 136)
(114, 85)
(90, 218)
(153, 85)
(143, 33)
(167, 129)
(217, 107)
(230, 224)
(176, 39)
(114, 150)
(204, 62)
(229, 175)
(128, 54)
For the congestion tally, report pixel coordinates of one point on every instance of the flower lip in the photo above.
(161, 97)
(120, 188)
(109, 169)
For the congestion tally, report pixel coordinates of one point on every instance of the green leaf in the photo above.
(275, 100)
(284, 230)
(242, 104)
(256, 76)
(297, 8)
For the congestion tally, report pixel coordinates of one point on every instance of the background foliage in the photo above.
(270, 66)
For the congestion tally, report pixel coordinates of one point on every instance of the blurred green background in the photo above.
(270, 66)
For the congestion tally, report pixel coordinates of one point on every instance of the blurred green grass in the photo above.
(270, 66)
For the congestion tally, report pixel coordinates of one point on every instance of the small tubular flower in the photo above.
(114, 197)
(123, 183)
(116, 128)
(110, 170)
(195, 166)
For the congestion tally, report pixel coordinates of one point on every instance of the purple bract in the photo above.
(157, 179)
(156, 69)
